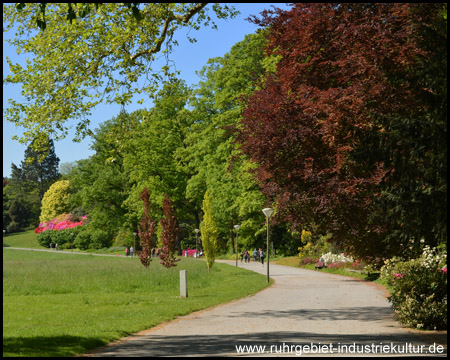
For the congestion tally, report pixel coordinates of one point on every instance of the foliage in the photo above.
(101, 57)
(56, 200)
(27, 186)
(209, 231)
(59, 237)
(419, 289)
(349, 132)
(170, 232)
(146, 231)
(61, 222)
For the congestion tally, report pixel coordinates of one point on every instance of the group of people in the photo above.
(258, 255)
(129, 251)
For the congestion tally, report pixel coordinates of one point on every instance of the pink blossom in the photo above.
(398, 275)
(444, 269)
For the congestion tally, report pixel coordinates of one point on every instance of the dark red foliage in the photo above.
(146, 230)
(169, 234)
(341, 68)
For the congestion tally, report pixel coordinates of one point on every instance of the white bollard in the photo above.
(183, 284)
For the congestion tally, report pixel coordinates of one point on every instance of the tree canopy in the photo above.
(99, 56)
(349, 133)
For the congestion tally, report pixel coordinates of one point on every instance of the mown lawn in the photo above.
(23, 239)
(62, 304)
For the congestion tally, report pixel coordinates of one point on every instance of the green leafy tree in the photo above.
(209, 231)
(96, 58)
(147, 229)
(56, 200)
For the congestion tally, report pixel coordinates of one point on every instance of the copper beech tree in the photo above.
(349, 132)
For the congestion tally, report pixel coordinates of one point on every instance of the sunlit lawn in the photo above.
(62, 304)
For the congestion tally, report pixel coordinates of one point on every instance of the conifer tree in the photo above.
(169, 234)
(209, 231)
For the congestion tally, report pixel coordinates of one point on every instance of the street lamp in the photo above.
(72, 241)
(4, 231)
(134, 252)
(267, 212)
(237, 232)
(196, 241)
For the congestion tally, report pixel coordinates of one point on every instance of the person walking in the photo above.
(262, 256)
(246, 256)
(131, 251)
(255, 254)
(126, 251)
(242, 255)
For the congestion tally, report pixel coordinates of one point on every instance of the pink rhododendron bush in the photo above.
(419, 289)
(189, 252)
(59, 230)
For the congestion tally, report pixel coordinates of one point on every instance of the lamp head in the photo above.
(268, 212)
(237, 227)
(197, 231)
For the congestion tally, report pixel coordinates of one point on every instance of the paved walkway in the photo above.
(328, 313)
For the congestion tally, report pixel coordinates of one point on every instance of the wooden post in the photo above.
(183, 284)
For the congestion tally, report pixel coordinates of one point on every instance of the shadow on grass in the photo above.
(49, 346)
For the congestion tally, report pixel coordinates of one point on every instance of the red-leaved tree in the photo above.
(347, 82)
(170, 231)
(146, 230)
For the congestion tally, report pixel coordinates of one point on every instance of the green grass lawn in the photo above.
(23, 239)
(62, 304)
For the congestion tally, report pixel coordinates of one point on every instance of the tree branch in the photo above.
(183, 18)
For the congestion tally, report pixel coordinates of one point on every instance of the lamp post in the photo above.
(71, 245)
(267, 212)
(237, 232)
(196, 241)
(134, 252)
(4, 231)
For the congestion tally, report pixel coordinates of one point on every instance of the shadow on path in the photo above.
(157, 345)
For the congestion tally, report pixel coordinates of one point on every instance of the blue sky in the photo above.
(188, 58)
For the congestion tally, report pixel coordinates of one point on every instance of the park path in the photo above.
(333, 314)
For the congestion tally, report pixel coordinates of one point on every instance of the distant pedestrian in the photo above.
(51, 246)
(126, 251)
(56, 247)
(131, 251)
(262, 256)
(242, 255)
(255, 254)
(246, 256)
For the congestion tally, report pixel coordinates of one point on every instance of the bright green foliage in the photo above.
(96, 58)
(56, 200)
(209, 231)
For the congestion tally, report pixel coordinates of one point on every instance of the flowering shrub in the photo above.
(329, 258)
(189, 252)
(419, 289)
(61, 222)
(336, 265)
(59, 230)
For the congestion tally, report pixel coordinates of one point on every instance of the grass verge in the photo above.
(62, 304)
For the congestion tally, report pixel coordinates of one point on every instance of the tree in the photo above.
(98, 57)
(170, 232)
(146, 231)
(209, 231)
(42, 171)
(336, 131)
(56, 201)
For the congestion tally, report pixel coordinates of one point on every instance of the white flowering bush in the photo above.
(419, 289)
(330, 258)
